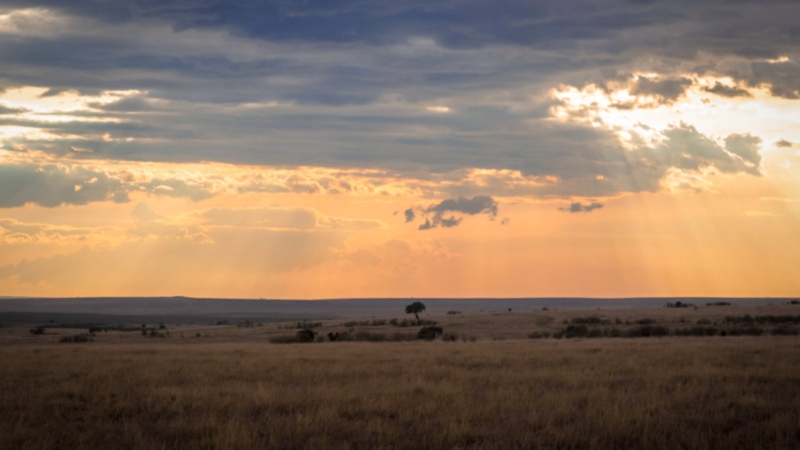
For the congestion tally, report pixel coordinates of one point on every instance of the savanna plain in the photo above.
(704, 377)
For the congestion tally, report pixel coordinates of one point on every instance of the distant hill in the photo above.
(333, 308)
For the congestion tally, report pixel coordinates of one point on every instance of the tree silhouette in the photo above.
(415, 308)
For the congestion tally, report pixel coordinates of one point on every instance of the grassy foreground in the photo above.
(658, 394)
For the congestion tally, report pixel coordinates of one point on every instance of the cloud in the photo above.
(783, 143)
(745, 146)
(151, 226)
(434, 215)
(13, 231)
(728, 91)
(664, 90)
(178, 188)
(783, 77)
(143, 214)
(6, 110)
(576, 207)
(410, 215)
(275, 217)
(346, 86)
(52, 185)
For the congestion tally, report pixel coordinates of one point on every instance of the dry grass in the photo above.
(692, 393)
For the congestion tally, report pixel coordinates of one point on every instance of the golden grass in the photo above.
(693, 393)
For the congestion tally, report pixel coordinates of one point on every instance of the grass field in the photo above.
(734, 392)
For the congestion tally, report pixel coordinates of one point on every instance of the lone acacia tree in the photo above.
(415, 308)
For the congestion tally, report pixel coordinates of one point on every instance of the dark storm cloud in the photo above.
(667, 90)
(349, 83)
(783, 77)
(449, 213)
(728, 91)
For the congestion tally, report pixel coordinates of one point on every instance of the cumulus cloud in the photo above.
(745, 146)
(450, 212)
(664, 90)
(53, 185)
(346, 85)
(576, 207)
(15, 232)
(178, 188)
(728, 91)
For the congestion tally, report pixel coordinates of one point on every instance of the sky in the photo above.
(361, 148)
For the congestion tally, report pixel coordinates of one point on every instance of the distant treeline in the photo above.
(593, 327)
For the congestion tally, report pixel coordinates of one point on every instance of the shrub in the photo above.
(301, 325)
(646, 331)
(719, 304)
(538, 335)
(305, 335)
(595, 333)
(747, 331)
(411, 323)
(449, 337)
(453, 313)
(794, 302)
(678, 304)
(429, 333)
(367, 336)
(747, 319)
(573, 331)
(370, 337)
(697, 331)
(283, 340)
(76, 338)
(592, 320)
(645, 321)
(784, 331)
(37, 331)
